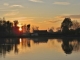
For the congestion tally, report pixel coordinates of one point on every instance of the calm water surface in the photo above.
(39, 49)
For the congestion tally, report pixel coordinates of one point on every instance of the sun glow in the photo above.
(20, 29)
(20, 25)
(20, 40)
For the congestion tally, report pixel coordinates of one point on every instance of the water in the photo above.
(39, 49)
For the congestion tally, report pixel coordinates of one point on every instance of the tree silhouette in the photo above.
(67, 48)
(58, 29)
(28, 28)
(16, 28)
(51, 30)
(77, 31)
(66, 24)
(9, 26)
(75, 25)
(2, 27)
(5, 27)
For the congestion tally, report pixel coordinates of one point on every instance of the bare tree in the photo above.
(35, 28)
(51, 29)
(58, 29)
(75, 25)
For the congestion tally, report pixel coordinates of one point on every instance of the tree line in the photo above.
(70, 27)
(67, 27)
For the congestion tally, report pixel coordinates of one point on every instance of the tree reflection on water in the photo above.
(7, 45)
(69, 45)
(66, 46)
(11, 44)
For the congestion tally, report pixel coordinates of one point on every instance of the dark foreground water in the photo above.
(39, 49)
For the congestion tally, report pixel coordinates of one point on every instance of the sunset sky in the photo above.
(42, 13)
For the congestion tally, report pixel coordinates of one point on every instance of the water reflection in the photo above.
(66, 46)
(40, 40)
(7, 45)
(69, 45)
(76, 44)
(17, 45)
(25, 42)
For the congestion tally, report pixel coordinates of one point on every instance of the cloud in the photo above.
(11, 14)
(24, 18)
(61, 3)
(70, 16)
(8, 10)
(6, 4)
(52, 21)
(36, 1)
(17, 6)
(60, 18)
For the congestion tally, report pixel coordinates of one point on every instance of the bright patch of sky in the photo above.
(40, 10)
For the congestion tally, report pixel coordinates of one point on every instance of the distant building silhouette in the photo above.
(40, 31)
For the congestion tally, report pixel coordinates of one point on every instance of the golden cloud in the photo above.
(17, 6)
(37, 1)
(61, 3)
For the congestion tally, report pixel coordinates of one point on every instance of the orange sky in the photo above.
(42, 13)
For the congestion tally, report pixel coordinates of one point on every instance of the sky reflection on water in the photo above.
(39, 49)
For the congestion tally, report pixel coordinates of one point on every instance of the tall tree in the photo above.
(16, 28)
(28, 28)
(66, 24)
(9, 26)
